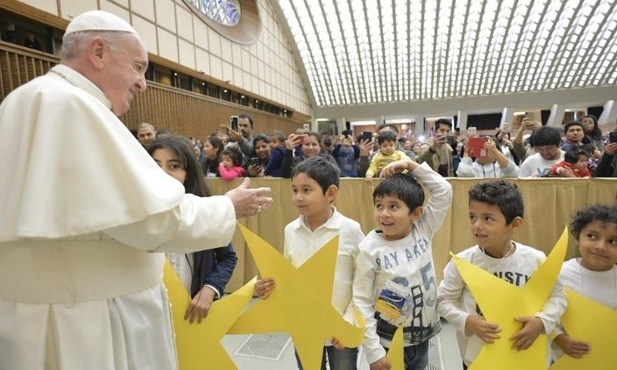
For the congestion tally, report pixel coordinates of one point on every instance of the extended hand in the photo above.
(381, 364)
(249, 202)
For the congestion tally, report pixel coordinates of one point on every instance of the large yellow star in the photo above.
(501, 302)
(198, 345)
(589, 321)
(301, 302)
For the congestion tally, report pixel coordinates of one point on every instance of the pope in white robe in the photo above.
(85, 211)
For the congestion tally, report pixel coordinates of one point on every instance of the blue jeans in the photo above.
(416, 357)
(345, 359)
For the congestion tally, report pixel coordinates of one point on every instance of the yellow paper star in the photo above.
(395, 354)
(589, 321)
(198, 345)
(501, 302)
(301, 302)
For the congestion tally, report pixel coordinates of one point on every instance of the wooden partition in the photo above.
(549, 204)
(180, 111)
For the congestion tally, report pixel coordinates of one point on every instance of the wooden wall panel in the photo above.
(182, 112)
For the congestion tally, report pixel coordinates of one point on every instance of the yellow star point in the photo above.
(589, 321)
(301, 302)
(396, 355)
(501, 302)
(198, 345)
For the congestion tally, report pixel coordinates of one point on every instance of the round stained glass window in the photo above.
(238, 23)
(225, 12)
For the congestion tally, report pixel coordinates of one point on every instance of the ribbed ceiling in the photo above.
(367, 52)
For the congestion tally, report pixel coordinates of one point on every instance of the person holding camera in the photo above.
(255, 167)
(346, 154)
(240, 133)
(607, 166)
(438, 152)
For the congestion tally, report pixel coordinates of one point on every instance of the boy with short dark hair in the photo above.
(386, 155)
(594, 273)
(395, 281)
(495, 213)
(315, 186)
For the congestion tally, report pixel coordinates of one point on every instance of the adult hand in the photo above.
(524, 338)
(249, 202)
(200, 305)
(572, 347)
(531, 125)
(235, 136)
(254, 170)
(293, 140)
(438, 141)
(365, 147)
(610, 148)
(487, 331)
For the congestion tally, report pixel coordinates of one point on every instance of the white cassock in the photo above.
(83, 208)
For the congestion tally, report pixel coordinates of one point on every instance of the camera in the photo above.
(612, 137)
(366, 136)
(254, 161)
(233, 123)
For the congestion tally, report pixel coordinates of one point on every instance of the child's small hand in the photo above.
(572, 347)
(263, 287)
(487, 331)
(524, 338)
(337, 344)
(394, 168)
(368, 179)
(381, 364)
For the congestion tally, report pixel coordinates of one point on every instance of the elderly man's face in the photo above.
(123, 74)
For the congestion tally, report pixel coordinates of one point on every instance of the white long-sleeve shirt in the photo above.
(470, 168)
(301, 244)
(408, 263)
(456, 303)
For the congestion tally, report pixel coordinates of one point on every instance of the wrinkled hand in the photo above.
(381, 364)
(200, 305)
(263, 287)
(249, 202)
(483, 329)
(572, 347)
(524, 338)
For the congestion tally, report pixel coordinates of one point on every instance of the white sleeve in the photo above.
(526, 168)
(440, 199)
(553, 308)
(449, 296)
(197, 223)
(511, 170)
(365, 302)
(465, 168)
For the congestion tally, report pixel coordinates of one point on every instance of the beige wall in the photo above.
(171, 30)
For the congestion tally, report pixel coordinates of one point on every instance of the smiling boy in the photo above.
(495, 214)
(395, 280)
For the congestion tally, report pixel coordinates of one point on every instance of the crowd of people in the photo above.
(533, 150)
(88, 216)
